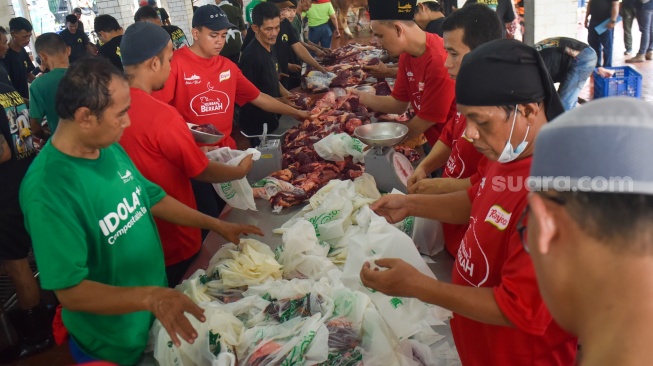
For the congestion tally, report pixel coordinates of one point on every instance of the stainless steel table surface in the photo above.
(267, 220)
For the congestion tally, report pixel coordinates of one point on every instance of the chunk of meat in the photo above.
(411, 154)
(206, 128)
(382, 88)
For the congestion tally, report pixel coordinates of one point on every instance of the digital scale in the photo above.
(389, 168)
(271, 155)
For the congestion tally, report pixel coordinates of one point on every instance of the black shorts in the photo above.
(15, 242)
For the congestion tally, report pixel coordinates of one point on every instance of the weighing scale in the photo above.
(390, 169)
(271, 155)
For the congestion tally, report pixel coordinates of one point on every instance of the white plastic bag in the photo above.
(427, 234)
(382, 240)
(237, 193)
(335, 147)
(249, 263)
(302, 254)
(195, 287)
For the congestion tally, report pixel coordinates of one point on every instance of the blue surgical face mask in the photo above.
(509, 154)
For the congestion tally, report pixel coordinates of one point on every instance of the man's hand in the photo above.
(392, 207)
(245, 165)
(380, 71)
(336, 33)
(169, 307)
(319, 53)
(232, 232)
(289, 101)
(206, 149)
(304, 115)
(396, 280)
(294, 68)
(611, 25)
(427, 186)
(418, 175)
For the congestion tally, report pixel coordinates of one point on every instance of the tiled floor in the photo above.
(59, 355)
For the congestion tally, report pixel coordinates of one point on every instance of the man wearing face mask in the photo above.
(499, 315)
(422, 79)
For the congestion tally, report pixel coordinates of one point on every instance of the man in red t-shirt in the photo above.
(499, 315)
(422, 79)
(204, 86)
(163, 149)
(464, 30)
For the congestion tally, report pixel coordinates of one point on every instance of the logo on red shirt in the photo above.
(471, 261)
(498, 217)
(210, 102)
(225, 75)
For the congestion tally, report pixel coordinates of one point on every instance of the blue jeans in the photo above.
(645, 20)
(321, 35)
(579, 71)
(78, 355)
(600, 43)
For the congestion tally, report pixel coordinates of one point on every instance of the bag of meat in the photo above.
(215, 345)
(268, 187)
(237, 193)
(336, 147)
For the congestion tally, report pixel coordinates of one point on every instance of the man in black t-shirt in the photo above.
(17, 151)
(232, 47)
(259, 65)
(17, 62)
(598, 11)
(161, 12)
(286, 43)
(429, 16)
(570, 62)
(148, 14)
(503, 8)
(80, 45)
(4, 46)
(110, 34)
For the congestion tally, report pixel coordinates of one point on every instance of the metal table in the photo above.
(267, 220)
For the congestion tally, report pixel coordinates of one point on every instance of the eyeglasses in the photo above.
(522, 225)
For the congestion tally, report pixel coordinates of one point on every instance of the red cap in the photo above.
(143, 3)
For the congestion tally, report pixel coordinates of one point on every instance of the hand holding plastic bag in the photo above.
(237, 193)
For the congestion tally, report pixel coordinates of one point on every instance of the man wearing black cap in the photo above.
(163, 149)
(287, 43)
(204, 86)
(422, 79)
(17, 62)
(588, 227)
(500, 317)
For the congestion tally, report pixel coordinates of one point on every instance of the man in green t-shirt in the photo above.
(90, 215)
(54, 56)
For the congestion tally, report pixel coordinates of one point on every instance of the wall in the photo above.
(181, 15)
(6, 13)
(180, 11)
(554, 18)
(122, 10)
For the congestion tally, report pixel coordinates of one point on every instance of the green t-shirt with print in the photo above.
(319, 14)
(248, 10)
(89, 219)
(42, 94)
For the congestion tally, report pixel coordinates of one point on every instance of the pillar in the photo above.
(550, 18)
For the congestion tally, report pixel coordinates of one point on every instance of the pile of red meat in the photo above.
(336, 112)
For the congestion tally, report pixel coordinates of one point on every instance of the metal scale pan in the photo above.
(390, 170)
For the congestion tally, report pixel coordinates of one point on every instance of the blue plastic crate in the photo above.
(625, 82)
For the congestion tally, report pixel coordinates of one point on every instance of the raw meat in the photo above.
(207, 128)
(382, 88)
(411, 154)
